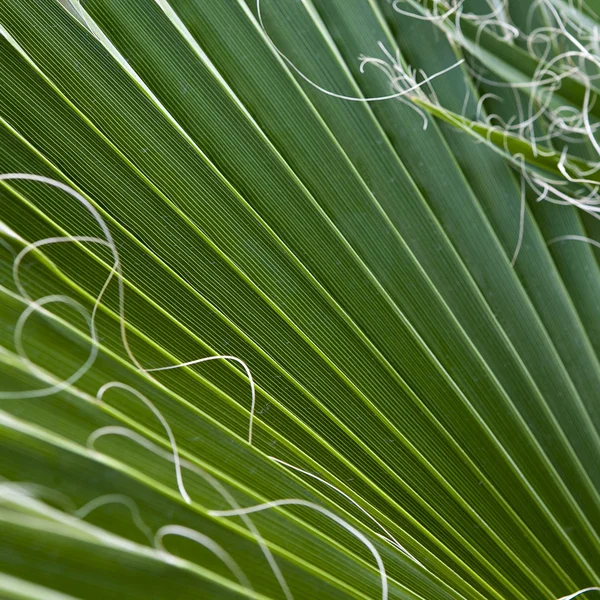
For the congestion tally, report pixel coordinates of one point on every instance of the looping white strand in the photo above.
(224, 357)
(574, 238)
(180, 463)
(429, 16)
(296, 502)
(163, 422)
(206, 542)
(12, 490)
(404, 92)
(116, 269)
(388, 537)
(578, 593)
(126, 501)
(38, 307)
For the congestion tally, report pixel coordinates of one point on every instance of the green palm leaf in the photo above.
(422, 415)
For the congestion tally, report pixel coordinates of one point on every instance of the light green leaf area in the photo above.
(426, 422)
